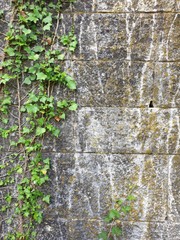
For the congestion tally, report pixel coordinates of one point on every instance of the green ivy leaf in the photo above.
(5, 78)
(56, 132)
(38, 49)
(131, 198)
(32, 108)
(20, 170)
(33, 56)
(71, 84)
(26, 31)
(126, 209)
(27, 80)
(47, 27)
(116, 231)
(46, 199)
(113, 214)
(48, 19)
(10, 51)
(40, 131)
(73, 107)
(5, 120)
(62, 104)
(26, 130)
(103, 235)
(61, 57)
(41, 76)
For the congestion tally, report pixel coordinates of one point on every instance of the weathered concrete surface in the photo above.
(132, 36)
(132, 130)
(126, 6)
(128, 55)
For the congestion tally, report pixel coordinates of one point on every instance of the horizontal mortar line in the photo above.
(118, 107)
(120, 12)
(123, 153)
(122, 60)
(103, 153)
(124, 221)
(116, 59)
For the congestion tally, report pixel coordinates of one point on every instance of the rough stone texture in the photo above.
(128, 55)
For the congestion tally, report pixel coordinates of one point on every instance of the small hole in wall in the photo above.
(151, 104)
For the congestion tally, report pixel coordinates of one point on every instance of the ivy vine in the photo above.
(31, 69)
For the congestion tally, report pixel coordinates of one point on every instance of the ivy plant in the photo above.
(29, 111)
(113, 229)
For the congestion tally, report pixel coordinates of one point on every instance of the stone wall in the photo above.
(126, 130)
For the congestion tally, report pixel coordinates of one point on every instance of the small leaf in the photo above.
(113, 213)
(71, 85)
(27, 80)
(103, 235)
(63, 116)
(61, 57)
(47, 27)
(56, 132)
(38, 49)
(5, 120)
(26, 130)
(44, 171)
(20, 170)
(32, 108)
(10, 51)
(46, 199)
(40, 131)
(33, 56)
(116, 231)
(126, 209)
(26, 31)
(41, 76)
(48, 19)
(62, 104)
(73, 107)
(131, 198)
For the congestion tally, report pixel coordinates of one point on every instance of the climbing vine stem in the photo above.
(29, 112)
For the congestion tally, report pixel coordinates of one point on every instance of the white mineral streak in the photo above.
(178, 134)
(160, 89)
(160, 46)
(129, 6)
(76, 173)
(79, 175)
(95, 48)
(148, 57)
(178, 4)
(168, 144)
(96, 133)
(177, 94)
(94, 5)
(142, 188)
(111, 172)
(171, 199)
(141, 6)
(129, 32)
(97, 186)
(70, 195)
(57, 181)
(173, 211)
(81, 30)
(169, 36)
